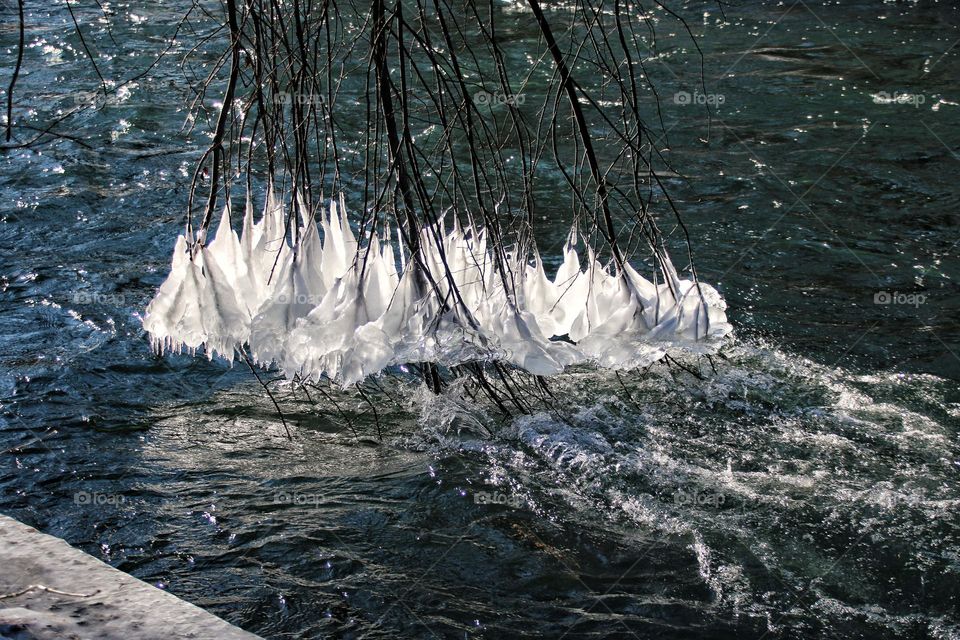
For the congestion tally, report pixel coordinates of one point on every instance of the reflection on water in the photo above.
(806, 488)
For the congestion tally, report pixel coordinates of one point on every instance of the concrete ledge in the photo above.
(98, 602)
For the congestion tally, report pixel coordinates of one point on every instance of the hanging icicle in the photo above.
(333, 308)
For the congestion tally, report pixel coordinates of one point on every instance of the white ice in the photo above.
(332, 306)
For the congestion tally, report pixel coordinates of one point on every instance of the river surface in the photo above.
(808, 486)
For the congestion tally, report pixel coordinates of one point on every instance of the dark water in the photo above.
(807, 488)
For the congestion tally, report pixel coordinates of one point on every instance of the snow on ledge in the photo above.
(74, 595)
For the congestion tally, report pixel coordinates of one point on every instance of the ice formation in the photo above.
(329, 305)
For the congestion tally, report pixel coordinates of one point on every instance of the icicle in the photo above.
(330, 307)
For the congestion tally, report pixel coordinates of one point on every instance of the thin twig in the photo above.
(40, 587)
(16, 73)
(266, 388)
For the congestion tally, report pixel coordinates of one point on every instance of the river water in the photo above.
(807, 487)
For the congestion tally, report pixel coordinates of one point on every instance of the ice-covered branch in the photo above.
(344, 310)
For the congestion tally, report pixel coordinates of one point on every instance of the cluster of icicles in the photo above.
(332, 306)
